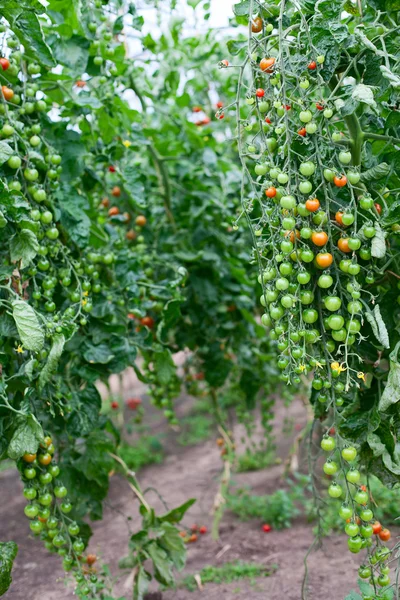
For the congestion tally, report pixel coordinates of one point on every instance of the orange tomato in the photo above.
(114, 210)
(4, 63)
(270, 192)
(324, 259)
(116, 191)
(312, 204)
(319, 238)
(256, 25)
(343, 245)
(267, 64)
(338, 217)
(141, 221)
(378, 208)
(340, 181)
(105, 202)
(302, 132)
(7, 92)
(29, 457)
(384, 535)
(45, 459)
(130, 235)
(292, 235)
(147, 322)
(91, 559)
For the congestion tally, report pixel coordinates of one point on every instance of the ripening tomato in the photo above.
(312, 204)
(319, 238)
(302, 132)
(114, 210)
(268, 120)
(376, 527)
(267, 65)
(196, 109)
(378, 208)
(384, 535)
(340, 180)
(80, 83)
(91, 559)
(4, 63)
(225, 62)
(114, 405)
(312, 65)
(29, 457)
(338, 217)
(319, 106)
(7, 93)
(130, 235)
(271, 192)
(147, 322)
(141, 221)
(324, 259)
(219, 104)
(256, 25)
(116, 191)
(105, 202)
(343, 245)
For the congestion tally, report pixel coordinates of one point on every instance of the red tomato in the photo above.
(378, 208)
(266, 528)
(147, 322)
(80, 83)
(268, 120)
(219, 104)
(319, 106)
(4, 63)
(203, 529)
(133, 403)
(114, 405)
(260, 93)
(302, 132)
(111, 169)
(312, 65)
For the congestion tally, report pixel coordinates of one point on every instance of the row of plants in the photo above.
(116, 251)
(318, 136)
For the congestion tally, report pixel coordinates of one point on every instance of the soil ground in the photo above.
(190, 472)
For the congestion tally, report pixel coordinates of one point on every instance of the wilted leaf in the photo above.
(391, 393)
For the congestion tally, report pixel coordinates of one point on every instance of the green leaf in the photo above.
(8, 552)
(84, 417)
(141, 584)
(100, 354)
(377, 172)
(353, 596)
(391, 393)
(161, 563)
(29, 328)
(26, 438)
(173, 545)
(379, 449)
(73, 53)
(52, 361)
(23, 246)
(96, 462)
(378, 245)
(378, 326)
(392, 217)
(176, 514)
(393, 79)
(5, 152)
(28, 30)
(242, 8)
(164, 366)
(170, 316)
(235, 46)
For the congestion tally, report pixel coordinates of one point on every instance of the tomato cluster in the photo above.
(318, 239)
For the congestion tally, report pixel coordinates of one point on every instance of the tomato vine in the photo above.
(318, 140)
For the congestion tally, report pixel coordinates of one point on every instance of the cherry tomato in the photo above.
(384, 535)
(340, 180)
(267, 65)
(4, 63)
(29, 458)
(312, 65)
(312, 204)
(319, 238)
(256, 25)
(141, 221)
(324, 259)
(266, 528)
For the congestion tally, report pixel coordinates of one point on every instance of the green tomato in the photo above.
(345, 157)
(335, 490)
(349, 453)
(332, 303)
(352, 529)
(36, 527)
(328, 113)
(310, 315)
(353, 476)
(304, 84)
(336, 322)
(305, 116)
(329, 174)
(14, 162)
(325, 281)
(305, 187)
(353, 177)
(311, 128)
(307, 168)
(330, 467)
(355, 544)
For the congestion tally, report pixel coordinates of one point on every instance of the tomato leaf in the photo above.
(141, 584)
(161, 563)
(242, 8)
(24, 246)
(378, 326)
(392, 217)
(5, 152)
(164, 365)
(28, 30)
(391, 393)
(173, 545)
(379, 449)
(29, 328)
(378, 245)
(378, 172)
(52, 361)
(176, 514)
(8, 552)
(26, 438)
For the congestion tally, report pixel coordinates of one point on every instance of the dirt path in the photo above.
(190, 472)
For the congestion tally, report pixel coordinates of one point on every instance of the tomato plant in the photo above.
(333, 64)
